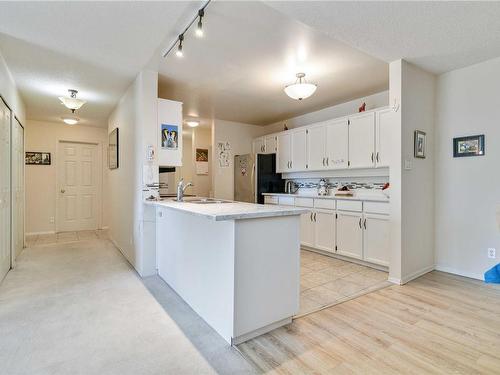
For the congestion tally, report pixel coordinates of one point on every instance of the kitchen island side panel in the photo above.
(196, 259)
(267, 272)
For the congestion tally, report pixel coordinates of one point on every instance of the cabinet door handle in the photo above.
(377, 157)
(315, 217)
(364, 224)
(360, 224)
(372, 157)
(327, 161)
(311, 218)
(323, 162)
(290, 164)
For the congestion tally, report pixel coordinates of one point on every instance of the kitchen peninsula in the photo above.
(228, 260)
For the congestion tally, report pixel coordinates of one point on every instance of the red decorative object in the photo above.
(362, 108)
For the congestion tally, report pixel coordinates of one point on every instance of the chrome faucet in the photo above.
(181, 188)
(289, 185)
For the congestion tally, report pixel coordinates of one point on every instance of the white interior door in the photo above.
(78, 184)
(17, 188)
(5, 195)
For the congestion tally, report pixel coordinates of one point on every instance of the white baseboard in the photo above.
(39, 233)
(459, 272)
(394, 280)
(411, 276)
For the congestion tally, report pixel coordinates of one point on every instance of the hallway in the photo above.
(79, 308)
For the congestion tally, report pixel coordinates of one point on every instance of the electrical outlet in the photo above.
(491, 253)
(51, 219)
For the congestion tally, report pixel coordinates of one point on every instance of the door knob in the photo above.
(63, 191)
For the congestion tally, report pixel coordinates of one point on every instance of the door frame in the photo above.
(100, 172)
(12, 250)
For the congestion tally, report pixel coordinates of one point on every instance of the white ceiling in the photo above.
(237, 71)
(438, 36)
(94, 47)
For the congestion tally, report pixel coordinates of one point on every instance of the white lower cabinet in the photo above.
(376, 239)
(317, 229)
(307, 229)
(350, 234)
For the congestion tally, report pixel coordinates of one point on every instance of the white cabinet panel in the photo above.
(286, 201)
(316, 157)
(258, 145)
(299, 151)
(270, 199)
(349, 234)
(376, 239)
(307, 229)
(337, 141)
(270, 144)
(284, 154)
(324, 224)
(362, 141)
(383, 137)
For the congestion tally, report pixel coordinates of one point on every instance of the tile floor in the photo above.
(64, 237)
(326, 281)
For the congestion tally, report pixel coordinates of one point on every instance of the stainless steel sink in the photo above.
(202, 200)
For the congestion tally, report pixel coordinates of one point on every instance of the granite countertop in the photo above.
(357, 197)
(230, 210)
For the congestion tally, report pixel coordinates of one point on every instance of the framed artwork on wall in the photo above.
(419, 144)
(37, 158)
(468, 146)
(169, 137)
(113, 149)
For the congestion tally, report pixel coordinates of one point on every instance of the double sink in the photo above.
(197, 200)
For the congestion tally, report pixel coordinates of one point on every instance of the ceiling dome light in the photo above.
(300, 89)
(72, 102)
(70, 120)
(199, 28)
(192, 123)
(179, 52)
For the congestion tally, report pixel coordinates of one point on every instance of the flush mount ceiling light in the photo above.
(192, 123)
(70, 120)
(300, 89)
(72, 102)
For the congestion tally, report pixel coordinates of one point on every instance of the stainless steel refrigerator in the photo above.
(255, 174)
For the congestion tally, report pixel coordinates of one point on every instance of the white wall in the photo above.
(202, 138)
(467, 189)
(41, 179)
(136, 117)
(378, 100)
(240, 138)
(8, 90)
(412, 195)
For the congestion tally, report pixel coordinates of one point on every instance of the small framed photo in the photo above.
(113, 149)
(419, 144)
(37, 158)
(468, 146)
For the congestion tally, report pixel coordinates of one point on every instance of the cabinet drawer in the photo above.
(377, 208)
(304, 202)
(286, 201)
(356, 206)
(270, 199)
(328, 204)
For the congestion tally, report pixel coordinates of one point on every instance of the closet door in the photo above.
(5, 198)
(17, 188)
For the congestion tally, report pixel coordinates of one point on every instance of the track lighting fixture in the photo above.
(179, 52)
(199, 27)
(198, 32)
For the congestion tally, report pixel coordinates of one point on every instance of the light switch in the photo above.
(407, 164)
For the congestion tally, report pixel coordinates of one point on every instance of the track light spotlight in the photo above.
(199, 28)
(179, 52)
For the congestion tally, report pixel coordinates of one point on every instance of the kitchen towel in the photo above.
(493, 275)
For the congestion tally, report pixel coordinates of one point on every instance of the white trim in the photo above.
(40, 233)
(394, 280)
(454, 271)
(250, 335)
(416, 274)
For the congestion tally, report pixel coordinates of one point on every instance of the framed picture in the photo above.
(113, 149)
(419, 144)
(468, 146)
(169, 137)
(202, 161)
(37, 158)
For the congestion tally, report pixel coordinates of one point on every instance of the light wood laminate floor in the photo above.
(437, 324)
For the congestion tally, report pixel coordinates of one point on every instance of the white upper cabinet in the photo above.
(284, 154)
(270, 144)
(299, 150)
(384, 119)
(258, 145)
(169, 144)
(316, 153)
(362, 141)
(337, 143)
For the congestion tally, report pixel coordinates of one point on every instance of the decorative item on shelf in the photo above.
(322, 187)
(344, 192)
(362, 108)
(37, 158)
(113, 149)
(285, 128)
(419, 144)
(386, 189)
(468, 146)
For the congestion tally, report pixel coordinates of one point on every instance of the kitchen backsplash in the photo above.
(334, 183)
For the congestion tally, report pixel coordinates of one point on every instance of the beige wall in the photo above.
(41, 180)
